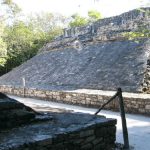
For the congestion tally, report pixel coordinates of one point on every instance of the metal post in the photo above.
(123, 118)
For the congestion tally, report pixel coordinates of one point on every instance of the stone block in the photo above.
(89, 139)
(86, 147)
(86, 133)
(147, 107)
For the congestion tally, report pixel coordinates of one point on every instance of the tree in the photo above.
(24, 39)
(50, 25)
(20, 44)
(94, 15)
(3, 51)
(3, 46)
(78, 20)
(21, 40)
(11, 8)
(46, 21)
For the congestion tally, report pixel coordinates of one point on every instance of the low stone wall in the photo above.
(56, 131)
(91, 138)
(134, 102)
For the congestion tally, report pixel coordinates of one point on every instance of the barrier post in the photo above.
(123, 119)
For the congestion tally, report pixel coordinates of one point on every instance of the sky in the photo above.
(68, 7)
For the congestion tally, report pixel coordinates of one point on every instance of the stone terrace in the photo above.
(22, 128)
(66, 131)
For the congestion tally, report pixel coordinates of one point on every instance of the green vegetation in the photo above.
(144, 33)
(94, 15)
(3, 50)
(78, 20)
(142, 30)
(21, 40)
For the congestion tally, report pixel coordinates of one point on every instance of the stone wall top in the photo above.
(107, 29)
(120, 21)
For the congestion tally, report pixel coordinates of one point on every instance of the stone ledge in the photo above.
(71, 131)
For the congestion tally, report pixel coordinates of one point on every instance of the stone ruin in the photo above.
(96, 56)
(21, 128)
(83, 64)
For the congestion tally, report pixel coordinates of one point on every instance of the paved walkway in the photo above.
(138, 126)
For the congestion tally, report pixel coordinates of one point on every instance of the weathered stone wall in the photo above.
(134, 103)
(107, 29)
(22, 128)
(97, 136)
(125, 22)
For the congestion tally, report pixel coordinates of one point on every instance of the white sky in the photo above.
(69, 7)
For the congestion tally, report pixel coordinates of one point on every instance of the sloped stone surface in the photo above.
(14, 114)
(101, 66)
(96, 56)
